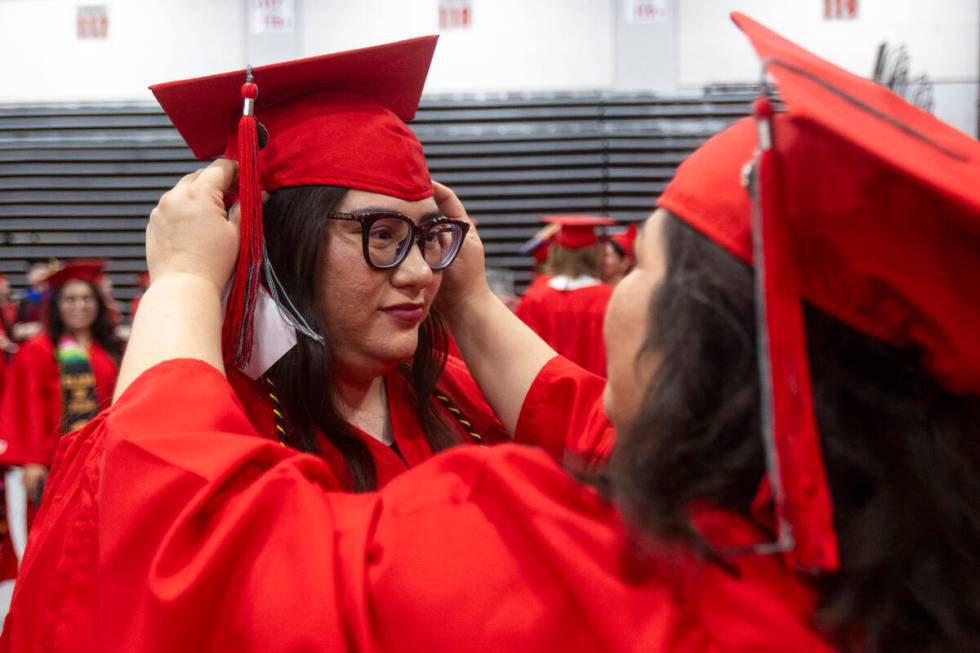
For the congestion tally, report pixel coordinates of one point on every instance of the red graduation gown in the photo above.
(455, 382)
(170, 525)
(570, 321)
(30, 409)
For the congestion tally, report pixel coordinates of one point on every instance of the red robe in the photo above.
(30, 409)
(408, 435)
(172, 526)
(570, 321)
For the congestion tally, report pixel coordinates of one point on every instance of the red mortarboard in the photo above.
(576, 231)
(868, 208)
(337, 119)
(81, 270)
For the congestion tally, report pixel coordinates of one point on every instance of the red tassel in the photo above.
(237, 333)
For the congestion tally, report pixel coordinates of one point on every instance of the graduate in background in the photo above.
(618, 257)
(537, 247)
(61, 378)
(568, 309)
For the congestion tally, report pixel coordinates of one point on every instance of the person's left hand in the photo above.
(189, 230)
(465, 279)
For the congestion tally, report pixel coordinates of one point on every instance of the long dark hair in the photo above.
(295, 233)
(103, 332)
(902, 454)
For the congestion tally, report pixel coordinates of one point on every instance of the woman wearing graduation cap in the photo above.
(617, 256)
(567, 311)
(330, 314)
(62, 378)
(796, 384)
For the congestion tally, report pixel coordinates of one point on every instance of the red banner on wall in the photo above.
(837, 9)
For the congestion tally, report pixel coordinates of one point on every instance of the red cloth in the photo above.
(563, 413)
(171, 526)
(30, 409)
(570, 321)
(538, 283)
(337, 119)
(8, 557)
(455, 382)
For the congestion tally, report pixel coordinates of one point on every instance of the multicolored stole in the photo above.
(79, 404)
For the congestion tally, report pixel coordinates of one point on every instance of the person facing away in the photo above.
(230, 541)
(567, 311)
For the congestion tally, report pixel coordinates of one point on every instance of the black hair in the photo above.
(295, 235)
(103, 331)
(902, 454)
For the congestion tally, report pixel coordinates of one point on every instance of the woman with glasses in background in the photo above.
(61, 378)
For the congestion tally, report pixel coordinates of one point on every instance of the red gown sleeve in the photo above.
(564, 412)
(30, 409)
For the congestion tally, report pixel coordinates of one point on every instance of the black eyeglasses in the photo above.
(387, 237)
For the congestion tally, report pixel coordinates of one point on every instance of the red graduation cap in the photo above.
(576, 231)
(869, 209)
(337, 119)
(90, 270)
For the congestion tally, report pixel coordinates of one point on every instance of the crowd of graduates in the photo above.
(747, 423)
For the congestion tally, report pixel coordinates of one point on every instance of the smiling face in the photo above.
(77, 305)
(627, 323)
(372, 317)
(612, 266)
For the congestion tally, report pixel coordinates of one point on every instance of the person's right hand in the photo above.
(34, 477)
(189, 230)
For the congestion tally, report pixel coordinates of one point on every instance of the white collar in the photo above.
(565, 282)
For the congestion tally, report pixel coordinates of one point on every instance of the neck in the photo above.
(363, 403)
(81, 336)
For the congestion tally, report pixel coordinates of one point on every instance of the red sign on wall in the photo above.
(92, 22)
(455, 14)
(835, 9)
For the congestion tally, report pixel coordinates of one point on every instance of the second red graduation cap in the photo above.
(577, 231)
(869, 208)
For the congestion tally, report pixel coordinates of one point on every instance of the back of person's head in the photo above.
(580, 262)
(900, 451)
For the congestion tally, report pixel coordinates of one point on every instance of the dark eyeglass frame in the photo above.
(417, 231)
